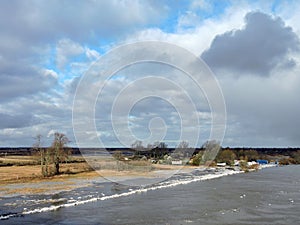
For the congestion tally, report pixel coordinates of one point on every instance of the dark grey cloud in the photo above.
(15, 121)
(41, 21)
(262, 111)
(19, 83)
(261, 46)
(29, 29)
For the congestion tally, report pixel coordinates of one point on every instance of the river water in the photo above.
(269, 196)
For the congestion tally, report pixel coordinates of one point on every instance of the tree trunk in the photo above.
(56, 172)
(44, 172)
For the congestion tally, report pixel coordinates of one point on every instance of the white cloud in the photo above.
(188, 20)
(200, 5)
(199, 38)
(92, 54)
(50, 73)
(66, 49)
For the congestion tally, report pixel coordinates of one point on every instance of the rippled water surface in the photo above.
(269, 196)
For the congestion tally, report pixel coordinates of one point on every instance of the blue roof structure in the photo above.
(262, 161)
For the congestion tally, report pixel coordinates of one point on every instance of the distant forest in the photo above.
(128, 151)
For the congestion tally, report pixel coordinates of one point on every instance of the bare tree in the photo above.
(58, 151)
(43, 155)
(183, 150)
(137, 146)
(161, 148)
(183, 145)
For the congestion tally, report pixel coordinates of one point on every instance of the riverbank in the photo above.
(27, 179)
(24, 180)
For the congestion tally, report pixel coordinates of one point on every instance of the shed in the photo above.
(177, 162)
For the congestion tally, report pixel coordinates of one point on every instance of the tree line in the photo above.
(211, 152)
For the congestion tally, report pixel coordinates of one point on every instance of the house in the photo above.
(221, 164)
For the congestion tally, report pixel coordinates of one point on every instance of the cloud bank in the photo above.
(253, 49)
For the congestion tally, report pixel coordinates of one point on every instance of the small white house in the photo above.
(236, 162)
(221, 164)
(252, 163)
(177, 162)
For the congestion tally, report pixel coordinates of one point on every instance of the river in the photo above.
(268, 196)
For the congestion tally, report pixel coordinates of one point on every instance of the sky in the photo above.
(252, 48)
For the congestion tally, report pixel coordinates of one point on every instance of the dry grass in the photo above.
(18, 169)
(137, 166)
(29, 160)
(12, 173)
(18, 179)
(21, 179)
(18, 160)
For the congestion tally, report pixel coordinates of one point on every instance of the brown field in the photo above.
(22, 175)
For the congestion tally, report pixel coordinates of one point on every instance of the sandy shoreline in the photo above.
(183, 179)
(68, 182)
